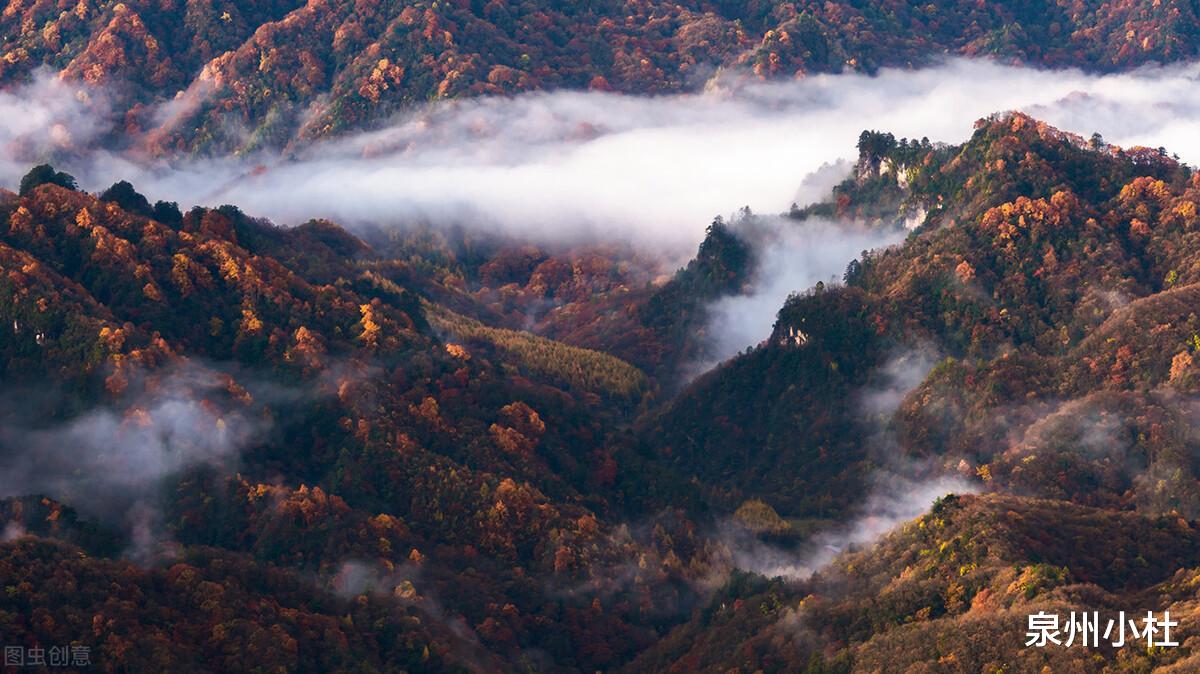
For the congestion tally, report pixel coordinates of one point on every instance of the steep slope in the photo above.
(1052, 275)
(950, 591)
(249, 76)
(1028, 236)
(213, 381)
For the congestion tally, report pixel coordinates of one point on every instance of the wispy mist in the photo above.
(49, 118)
(898, 491)
(792, 256)
(894, 499)
(570, 164)
(902, 373)
(110, 462)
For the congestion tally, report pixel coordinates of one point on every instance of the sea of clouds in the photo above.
(593, 165)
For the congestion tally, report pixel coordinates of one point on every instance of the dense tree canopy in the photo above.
(434, 449)
(260, 75)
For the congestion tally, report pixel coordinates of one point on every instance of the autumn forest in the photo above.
(631, 336)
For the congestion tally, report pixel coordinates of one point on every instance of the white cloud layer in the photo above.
(651, 170)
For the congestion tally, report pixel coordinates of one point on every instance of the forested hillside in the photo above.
(412, 450)
(247, 76)
(1051, 276)
(334, 431)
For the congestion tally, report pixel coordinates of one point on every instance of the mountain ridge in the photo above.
(223, 80)
(361, 419)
